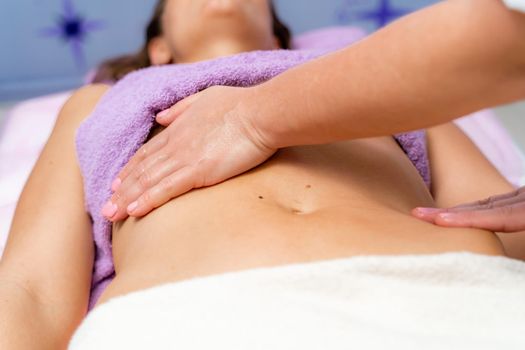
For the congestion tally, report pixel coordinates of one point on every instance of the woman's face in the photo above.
(193, 27)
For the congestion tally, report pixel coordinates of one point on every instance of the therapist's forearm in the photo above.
(430, 67)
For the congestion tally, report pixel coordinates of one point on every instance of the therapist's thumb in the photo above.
(168, 116)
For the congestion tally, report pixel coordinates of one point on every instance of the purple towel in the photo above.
(122, 121)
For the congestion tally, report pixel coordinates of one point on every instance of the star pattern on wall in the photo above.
(381, 14)
(73, 29)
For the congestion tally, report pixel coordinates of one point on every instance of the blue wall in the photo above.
(33, 63)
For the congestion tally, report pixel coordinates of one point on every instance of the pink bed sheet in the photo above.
(26, 129)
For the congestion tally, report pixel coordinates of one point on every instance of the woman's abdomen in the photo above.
(305, 204)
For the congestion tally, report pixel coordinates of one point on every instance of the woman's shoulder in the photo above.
(88, 95)
(92, 90)
(82, 102)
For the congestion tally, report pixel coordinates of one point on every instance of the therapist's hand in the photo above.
(504, 213)
(208, 139)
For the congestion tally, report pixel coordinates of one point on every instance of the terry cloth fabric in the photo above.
(456, 301)
(125, 115)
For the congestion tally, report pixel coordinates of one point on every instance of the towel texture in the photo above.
(122, 120)
(452, 301)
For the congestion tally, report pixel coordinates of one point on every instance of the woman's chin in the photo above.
(222, 7)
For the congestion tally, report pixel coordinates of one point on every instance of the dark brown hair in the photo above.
(116, 68)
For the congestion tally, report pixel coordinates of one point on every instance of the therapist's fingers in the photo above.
(509, 218)
(147, 175)
(503, 213)
(508, 199)
(164, 118)
(495, 201)
(169, 187)
(144, 173)
(168, 116)
(144, 152)
(485, 204)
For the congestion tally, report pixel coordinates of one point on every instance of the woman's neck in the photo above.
(222, 48)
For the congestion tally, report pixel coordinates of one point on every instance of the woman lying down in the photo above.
(314, 249)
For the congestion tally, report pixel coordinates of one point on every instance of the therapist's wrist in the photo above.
(255, 112)
(268, 116)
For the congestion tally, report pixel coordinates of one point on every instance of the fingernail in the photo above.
(449, 217)
(132, 207)
(426, 211)
(109, 209)
(163, 114)
(116, 184)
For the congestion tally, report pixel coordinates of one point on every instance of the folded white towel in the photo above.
(450, 301)
(518, 5)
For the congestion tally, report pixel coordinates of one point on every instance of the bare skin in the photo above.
(502, 213)
(428, 68)
(45, 272)
(318, 202)
(306, 204)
